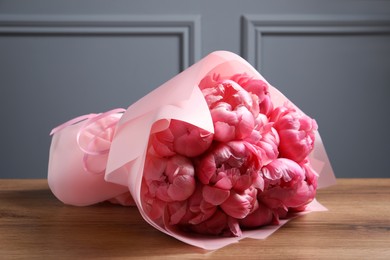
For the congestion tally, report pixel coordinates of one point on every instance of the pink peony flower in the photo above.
(231, 124)
(231, 177)
(240, 204)
(234, 165)
(263, 215)
(198, 209)
(296, 132)
(257, 87)
(233, 109)
(265, 139)
(205, 218)
(181, 138)
(288, 185)
(167, 180)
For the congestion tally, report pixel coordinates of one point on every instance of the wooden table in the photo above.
(34, 224)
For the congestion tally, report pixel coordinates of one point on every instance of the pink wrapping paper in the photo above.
(180, 98)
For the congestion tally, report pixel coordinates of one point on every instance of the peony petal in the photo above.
(206, 211)
(258, 181)
(243, 183)
(246, 122)
(162, 192)
(215, 196)
(161, 145)
(234, 227)
(176, 211)
(154, 168)
(283, 168)
(182, 188)
(223, 182)
(209, 81)
(224, 132)
(193, 143)
(215, 225)
(154, 207)
(179, 165)
(260, 217)
(206, 169)
(238, 205)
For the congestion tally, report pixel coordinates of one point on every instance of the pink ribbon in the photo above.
(91, 149)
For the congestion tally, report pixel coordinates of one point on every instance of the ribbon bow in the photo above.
(94, 137)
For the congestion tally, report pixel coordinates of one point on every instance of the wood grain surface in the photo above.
(34, 224)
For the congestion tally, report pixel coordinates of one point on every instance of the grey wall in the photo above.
(62, 59)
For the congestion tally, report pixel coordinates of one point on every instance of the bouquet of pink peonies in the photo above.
(209, 157)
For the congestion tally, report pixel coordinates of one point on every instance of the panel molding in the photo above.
(186, 27)
(256, 27)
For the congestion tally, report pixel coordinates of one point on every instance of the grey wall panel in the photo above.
(256, 27)
(338, 70)
(186, 27)
(54, 68)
